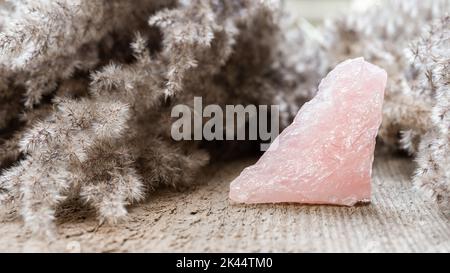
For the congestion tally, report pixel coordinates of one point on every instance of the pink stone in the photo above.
(325, 156)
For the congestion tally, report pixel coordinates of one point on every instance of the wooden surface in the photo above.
(201, 219)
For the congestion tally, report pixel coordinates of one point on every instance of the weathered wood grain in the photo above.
(201, 219)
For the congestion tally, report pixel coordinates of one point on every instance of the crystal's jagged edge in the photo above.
(325, 156)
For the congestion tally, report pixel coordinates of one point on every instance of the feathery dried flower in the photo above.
(47, 41)
(432, 61)
(111, 145)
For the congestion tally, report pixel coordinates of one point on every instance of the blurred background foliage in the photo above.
(317, 10)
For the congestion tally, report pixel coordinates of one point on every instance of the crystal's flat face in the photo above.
(326, 155)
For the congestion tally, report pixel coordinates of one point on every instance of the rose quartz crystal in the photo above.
(326, 155)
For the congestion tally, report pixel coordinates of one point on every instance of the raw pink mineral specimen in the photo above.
(326, 155)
